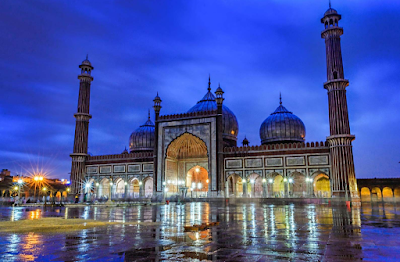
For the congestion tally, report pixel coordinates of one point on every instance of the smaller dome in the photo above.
(330, 11)
(282, 126)
(142, 139)
(86, 61)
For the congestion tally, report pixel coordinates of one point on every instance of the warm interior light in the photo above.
(207, 180)
(16, 188)
(197, 169)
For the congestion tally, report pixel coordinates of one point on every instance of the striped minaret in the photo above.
(343, 177)
(81, 128)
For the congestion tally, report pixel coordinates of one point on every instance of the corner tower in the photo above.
(82, 127)
(343, 176)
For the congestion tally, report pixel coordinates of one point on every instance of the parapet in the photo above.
(187, 115)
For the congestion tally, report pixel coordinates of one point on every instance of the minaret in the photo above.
(81, 128)
(157, 186)
(343, 177)
(219, 98)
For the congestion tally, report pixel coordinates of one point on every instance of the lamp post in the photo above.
(290, 182)
(265, 187)
(164, 191)
(44, 194)
(20, 182)
(252, 188)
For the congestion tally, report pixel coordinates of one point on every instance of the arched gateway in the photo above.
(186, 167)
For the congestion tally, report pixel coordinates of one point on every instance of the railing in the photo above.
(282, 146)
(122, 156)
(188, 115)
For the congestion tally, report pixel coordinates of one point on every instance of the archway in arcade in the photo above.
(365, 194)
(58, 196)
(104, 188)
(185, 162)
(387, 194)
(197, 181)
(397, 193)
(322, 186)
(119, 188)
(376, 194)
(298, 185)
(134, 188)
(148, 187)
(235, 185)
(254, 185)
(278, 188)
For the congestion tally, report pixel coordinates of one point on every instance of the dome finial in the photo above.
(149, 115)
(280, 98)
(87, 56)
(330, 6)
(209, 82)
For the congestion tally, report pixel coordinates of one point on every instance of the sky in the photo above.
(254, 49)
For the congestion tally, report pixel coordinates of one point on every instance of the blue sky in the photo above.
(255, 49)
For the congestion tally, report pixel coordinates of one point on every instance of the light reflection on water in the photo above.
(247, 232)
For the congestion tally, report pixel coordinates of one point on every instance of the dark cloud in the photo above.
(255, 49)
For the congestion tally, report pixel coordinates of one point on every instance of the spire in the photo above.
(330, 6)
(87, 56)
(209, 83)
(280, 98)
(149, 115)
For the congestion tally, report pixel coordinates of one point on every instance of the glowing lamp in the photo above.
(244, 180)
(16, 188)
(20, 181)
(271, 181)
(264, 180)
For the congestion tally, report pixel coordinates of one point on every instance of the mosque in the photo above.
(196, 154)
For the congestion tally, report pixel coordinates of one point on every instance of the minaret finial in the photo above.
(87, 56)
(149, 114)
(209, 82)
(280, 98)
(330, 6)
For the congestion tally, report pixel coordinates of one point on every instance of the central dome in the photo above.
(282, 126)
(229, 121)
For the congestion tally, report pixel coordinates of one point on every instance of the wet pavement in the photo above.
(247, 232)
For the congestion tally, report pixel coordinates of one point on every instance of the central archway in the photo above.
(186, 162)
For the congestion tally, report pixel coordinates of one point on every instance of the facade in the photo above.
(195, 154)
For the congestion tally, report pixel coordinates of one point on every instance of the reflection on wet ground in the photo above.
(247, 232)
